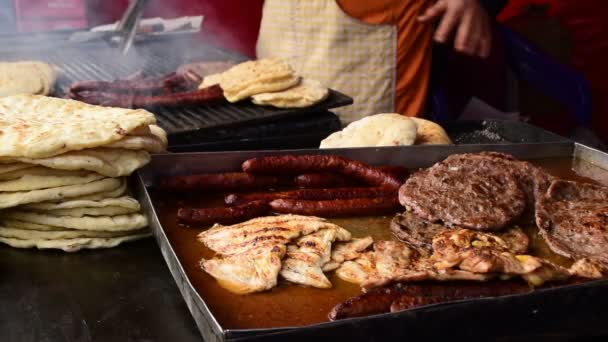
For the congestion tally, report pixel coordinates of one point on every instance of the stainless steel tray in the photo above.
(566, 311)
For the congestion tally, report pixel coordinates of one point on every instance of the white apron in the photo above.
(322, 42)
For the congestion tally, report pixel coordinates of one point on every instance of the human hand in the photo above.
(468, 19)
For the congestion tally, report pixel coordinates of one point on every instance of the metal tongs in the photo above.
(129, 23)
(125, 30)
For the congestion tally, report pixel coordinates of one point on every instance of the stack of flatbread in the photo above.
(268, 82)
(63, 169)
(27, 77)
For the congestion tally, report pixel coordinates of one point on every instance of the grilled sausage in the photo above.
(338, 207)
(311, 194)
(401, 297)
(376, 301)
(229, 215)
(324, 180)
(132, 100)
(230, 181)
(291, 164)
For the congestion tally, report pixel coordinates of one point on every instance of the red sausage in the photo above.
(339, 207)
(230, 181)
(290, 164)
(311, 194)
(131, 100)
(323, 180)
(229, 215)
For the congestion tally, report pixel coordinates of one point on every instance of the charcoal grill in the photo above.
(185, 125)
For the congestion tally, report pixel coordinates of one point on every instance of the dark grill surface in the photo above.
(98, 61)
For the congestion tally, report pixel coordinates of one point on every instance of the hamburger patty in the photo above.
(464, 196)
(532, 180)
(573, 219)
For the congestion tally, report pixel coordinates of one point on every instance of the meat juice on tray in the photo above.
(288, 304)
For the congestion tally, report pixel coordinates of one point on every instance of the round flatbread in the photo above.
(36, 126)
(430, 133)
(103, 223)
(386, 129)
(73, 245)
(30, 234)
(305, 94)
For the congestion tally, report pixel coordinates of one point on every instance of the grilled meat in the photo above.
(250, 253)
(573, 220)
(463, 196)
(586, 268)
(345, 251)
(304, 260)
(418, 233)
(479, 252)
(255, 270)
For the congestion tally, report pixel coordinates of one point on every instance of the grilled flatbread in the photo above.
(26, 77)
(305, 94)
(73, 245)
(102, 223)
(36, 126)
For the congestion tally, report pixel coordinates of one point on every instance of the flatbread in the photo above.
(13, 199)
(121, 190)
(30, 234)
(80, 212)
(430, 133)
(305, 94)
(6, 168)
(36, 126)
(103, 223)
(26, 77)
(35, 170)
(253, 77)
(386, 129)
(73, 245)
(34, 182)
(28, 225)
(122, 202)
(148, 143)
(110, 162)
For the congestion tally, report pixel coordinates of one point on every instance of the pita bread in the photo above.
(110, 162)
(386, 129)
(121, 190)
(26, 77)
(123, 202)
(253, 77)
(27, 225)
(305, 94)
(34, 182)
(73, 245)
(6, 168)
(150, 144)
(36, 170)
(80, 212)
(13, 199)
(103, 223)
(30, 234)
(36, 126)
(430, 133)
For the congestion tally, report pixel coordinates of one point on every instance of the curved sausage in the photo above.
(229, 181)
(324, 180)
(132, 100)
(292, 164)
(229, 215)
(311, 194)
(339, 207)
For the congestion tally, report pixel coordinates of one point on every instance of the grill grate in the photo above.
(100, 61)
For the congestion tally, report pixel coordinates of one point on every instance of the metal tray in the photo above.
(564, 312)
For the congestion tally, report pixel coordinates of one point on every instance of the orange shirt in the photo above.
(414, 43)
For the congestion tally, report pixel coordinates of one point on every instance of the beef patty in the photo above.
(573, 219)
(464, 196)
(532, 180)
